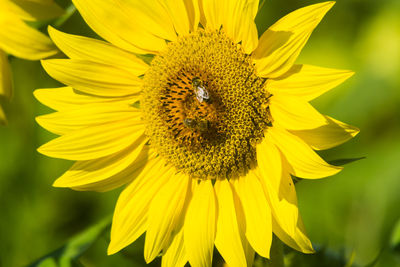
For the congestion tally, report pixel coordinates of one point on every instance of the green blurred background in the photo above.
(352, 215)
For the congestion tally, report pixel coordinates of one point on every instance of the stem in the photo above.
(69, 11)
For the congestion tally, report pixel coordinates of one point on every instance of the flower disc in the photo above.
(204, 105)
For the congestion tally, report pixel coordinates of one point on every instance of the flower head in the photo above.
(206, 136)
(20, 40)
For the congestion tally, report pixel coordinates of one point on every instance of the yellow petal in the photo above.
(281, 44)
(94, 142)
(294, 113)
(212, 13)
(93, 78)
(298, 241)
(5, 76)
(32, 10)
(103, 171)
(269, 162)
(20, 40)
(307, 82)
(179, 16)
(79, 47)
(200, 225)
(130, 215)
(279, 191)
(175, 256)
(165, 212)
(143, 35)
(238, 21)
(249, 34)
(241, 219)
(228, 236)
(283, 201)
(67, 98)
(257, 213)
(333, 134)
(281, 195)
(286, 220)
(303, 161)
(119, 179)
(193, 11)
(152, 16)
(68, 121)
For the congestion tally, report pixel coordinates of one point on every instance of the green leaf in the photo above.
(49, 262)
(67, 255)
(336, 162)
(395, 239)
(341, 162)
(322, 257)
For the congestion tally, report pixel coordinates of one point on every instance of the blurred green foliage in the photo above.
(352, 218)
(69, 254)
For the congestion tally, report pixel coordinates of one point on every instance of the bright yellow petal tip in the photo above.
(288, 37)
(307, 82)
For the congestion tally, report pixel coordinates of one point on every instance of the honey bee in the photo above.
(190, 123)
(200, 125)
(203, 125)
(200, 90)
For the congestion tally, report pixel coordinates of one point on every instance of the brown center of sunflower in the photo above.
(205, 107)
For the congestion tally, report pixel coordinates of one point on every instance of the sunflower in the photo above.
(20, 40)
(203, 121)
